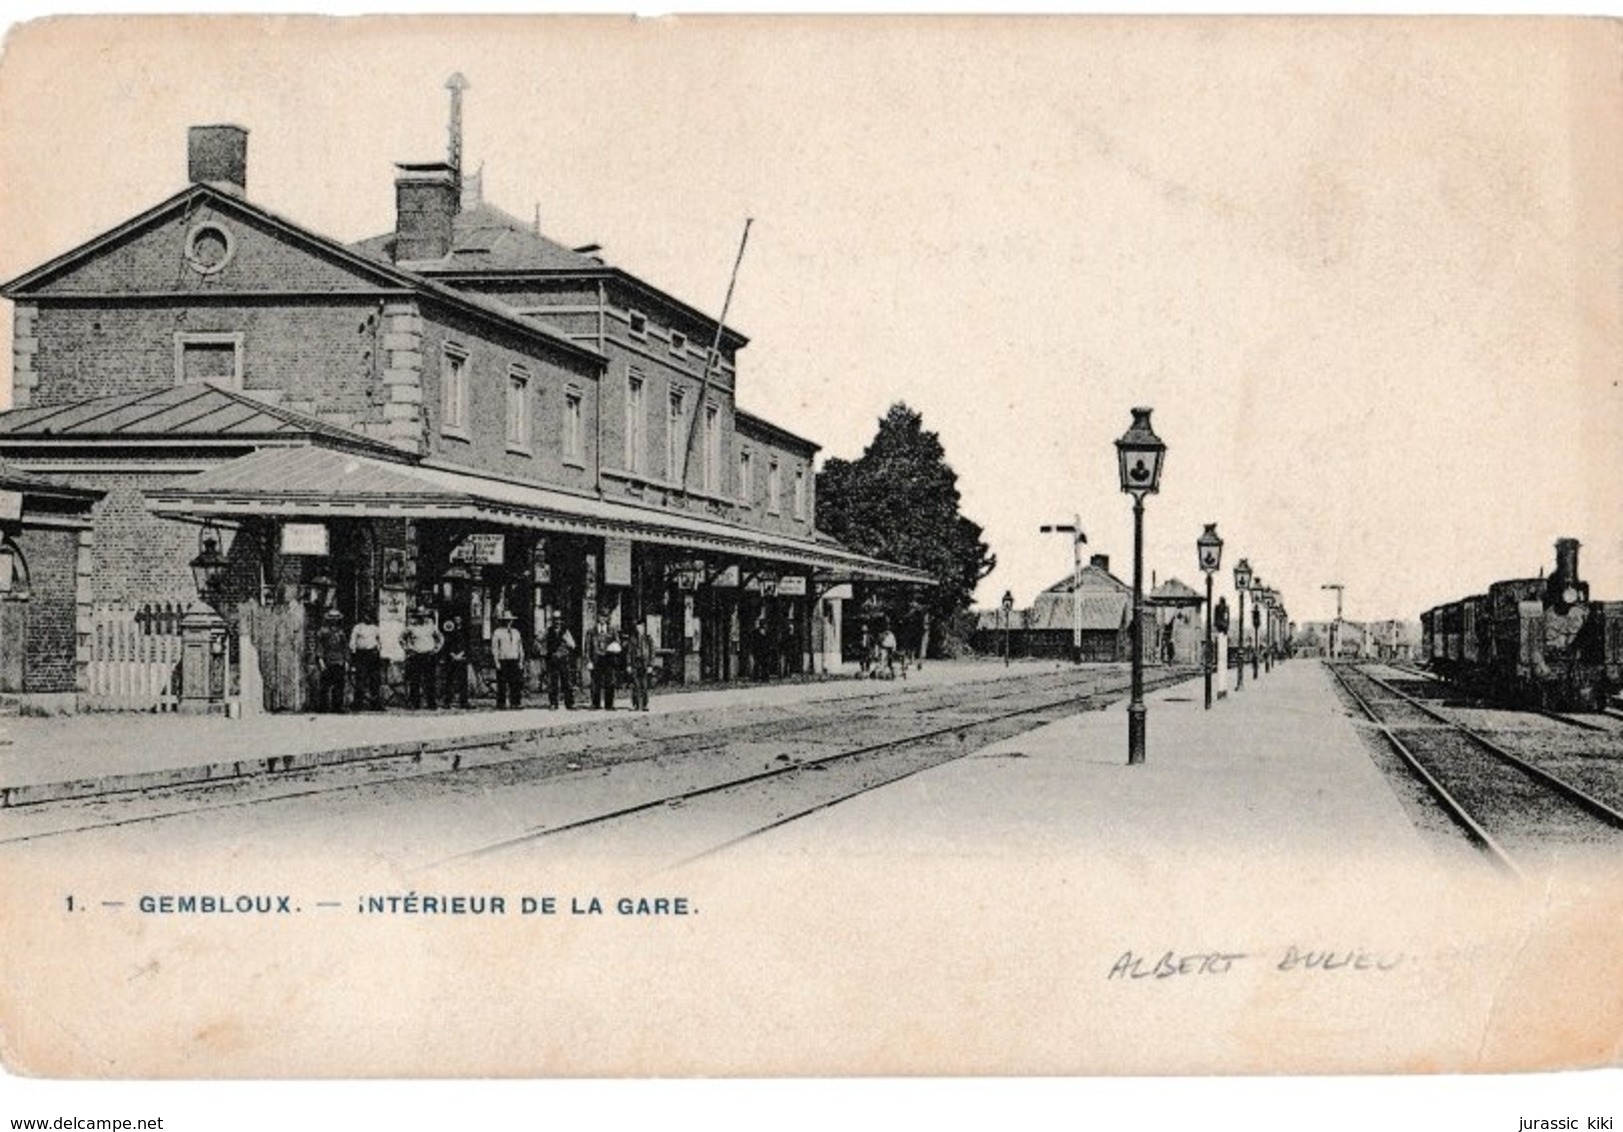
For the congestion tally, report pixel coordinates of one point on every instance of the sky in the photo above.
(1366, 272)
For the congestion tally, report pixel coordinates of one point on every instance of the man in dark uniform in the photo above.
(455, 631)
(559, 650)
(332, 645)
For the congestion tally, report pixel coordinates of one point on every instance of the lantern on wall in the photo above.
(210, 566)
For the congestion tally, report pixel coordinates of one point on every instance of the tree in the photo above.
(899, 501)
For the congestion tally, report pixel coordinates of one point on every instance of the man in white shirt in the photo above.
(507, 648)
(365, 663)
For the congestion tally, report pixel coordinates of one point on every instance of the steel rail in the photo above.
(412, 767)
(1451, 806)
(791, 768)
(1545, 712)
(1560, 785)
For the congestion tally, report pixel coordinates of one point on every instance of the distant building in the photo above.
(1383, 640)
(1102, 604)
(1180, 624)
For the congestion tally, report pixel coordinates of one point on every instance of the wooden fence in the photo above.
(135, 658)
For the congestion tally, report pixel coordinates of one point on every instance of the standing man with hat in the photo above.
(332, 645)
(421, 641)
(559, 647)
(640, 664)
(507, 649)
(602, 658)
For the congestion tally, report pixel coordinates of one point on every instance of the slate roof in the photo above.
(484, 238)
(1101, 611)
(175, 412)
(16, 479)
(1174, 592)
(1092, 578)
(317, 481)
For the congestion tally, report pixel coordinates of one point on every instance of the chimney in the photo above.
(1566, 560)
(218, 156)
(1100, 561)
(426, 202)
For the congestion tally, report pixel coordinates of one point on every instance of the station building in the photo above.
(1088, 616)
(459, 414)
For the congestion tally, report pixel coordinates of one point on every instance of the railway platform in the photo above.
(95, 753)
(1278, 768)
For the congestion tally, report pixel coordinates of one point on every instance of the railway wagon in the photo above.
(1538, 641)
(1611, 618)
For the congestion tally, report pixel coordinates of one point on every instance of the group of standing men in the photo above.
(437, 659)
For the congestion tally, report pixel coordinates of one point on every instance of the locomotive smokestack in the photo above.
(1566, 560)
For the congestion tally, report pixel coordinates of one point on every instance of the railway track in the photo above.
(717, 815)
(1511, 808)
(593, 747)
(1567, 718)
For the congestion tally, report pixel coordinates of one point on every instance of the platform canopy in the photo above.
(315, 483)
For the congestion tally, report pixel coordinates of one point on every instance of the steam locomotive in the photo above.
(1539, 642)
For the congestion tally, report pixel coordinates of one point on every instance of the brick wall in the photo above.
(137, 556)
(764, 448)
(322, 351)
(490, 355)
(260, 259)
(52, 647)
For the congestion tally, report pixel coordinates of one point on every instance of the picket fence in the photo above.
(134, 658)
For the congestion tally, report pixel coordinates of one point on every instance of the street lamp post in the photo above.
(1269, 600)
(1256, 623)
(1074, 529)
(1139, 454)
(1242, 580)
(1008, 609)
(1209, 549)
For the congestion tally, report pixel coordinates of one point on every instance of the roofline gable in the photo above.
(776, 432)
(18, 288)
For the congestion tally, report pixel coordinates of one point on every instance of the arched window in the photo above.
(14, 581)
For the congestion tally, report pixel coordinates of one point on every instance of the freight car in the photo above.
(1540, 641)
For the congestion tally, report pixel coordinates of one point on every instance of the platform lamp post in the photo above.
(203, 634)
(1209, 550)
(1139, 454)
(1242, 582)
(1008, 611)
(1256, 623)
(1270, 601)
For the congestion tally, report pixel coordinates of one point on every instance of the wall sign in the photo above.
(616, 562)
(305, 538)
(480, 550)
